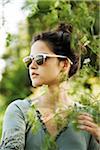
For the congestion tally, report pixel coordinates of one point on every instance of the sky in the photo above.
(12, 14)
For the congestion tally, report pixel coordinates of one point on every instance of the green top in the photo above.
(20, 133)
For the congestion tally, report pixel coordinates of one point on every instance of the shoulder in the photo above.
(16, 115)
(19, 104)
(17, 109)
(14, 124)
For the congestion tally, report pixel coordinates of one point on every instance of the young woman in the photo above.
(32, 124)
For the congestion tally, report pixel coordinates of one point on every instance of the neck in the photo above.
(55, 95)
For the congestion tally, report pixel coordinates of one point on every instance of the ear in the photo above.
(65, 66)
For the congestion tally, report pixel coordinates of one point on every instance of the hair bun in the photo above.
(65, 28)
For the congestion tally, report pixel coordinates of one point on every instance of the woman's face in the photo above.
(48, 72)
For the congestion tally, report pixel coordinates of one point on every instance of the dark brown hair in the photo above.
(60, 41)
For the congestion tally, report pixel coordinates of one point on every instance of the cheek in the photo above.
(50, 74)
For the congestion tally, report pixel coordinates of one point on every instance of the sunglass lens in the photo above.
(27, 61)
(39, 59)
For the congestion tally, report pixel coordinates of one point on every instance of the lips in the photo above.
(34, 75)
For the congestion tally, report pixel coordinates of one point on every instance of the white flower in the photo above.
(87, 60)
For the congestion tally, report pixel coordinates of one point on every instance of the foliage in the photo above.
(83, 15)
(49, 143)
(15, 77)
(2, 110)
(44, 15)
(70, 114)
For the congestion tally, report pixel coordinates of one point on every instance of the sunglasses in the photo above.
(40, 59)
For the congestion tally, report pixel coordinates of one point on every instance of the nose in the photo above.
(33, 65)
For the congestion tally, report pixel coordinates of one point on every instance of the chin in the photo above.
(36, 84)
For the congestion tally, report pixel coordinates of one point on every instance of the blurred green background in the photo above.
(44, 15)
